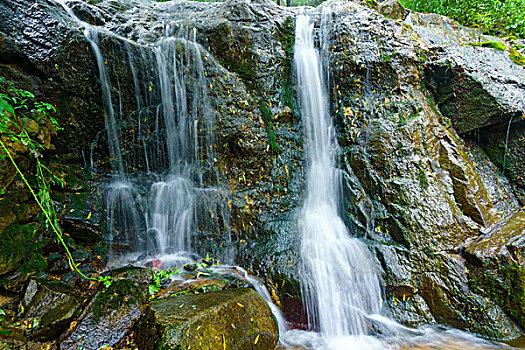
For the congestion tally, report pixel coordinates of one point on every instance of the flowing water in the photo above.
(161, 149)
(164, 184)
(340, 280)
(341, 289)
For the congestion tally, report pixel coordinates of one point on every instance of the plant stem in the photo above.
(71, 261)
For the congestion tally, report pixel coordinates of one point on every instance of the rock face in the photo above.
(231, 319)
(421, 118)
(109, 317)
(52, 305)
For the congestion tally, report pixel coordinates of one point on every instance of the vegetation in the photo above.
(267, 118)
(495, 16)
(20, 115)
(160, 277)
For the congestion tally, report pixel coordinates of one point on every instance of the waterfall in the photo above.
(159, 129)
(339, 278)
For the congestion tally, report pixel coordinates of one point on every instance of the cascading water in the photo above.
(161, 149)
(340, 283)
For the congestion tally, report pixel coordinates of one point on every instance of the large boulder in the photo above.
(478, 86)
(108, 318)
(230, 319)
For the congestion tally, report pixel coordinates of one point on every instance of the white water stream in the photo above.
(341, 288)
(339, 277)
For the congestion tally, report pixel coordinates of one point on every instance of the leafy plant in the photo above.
(159, 277)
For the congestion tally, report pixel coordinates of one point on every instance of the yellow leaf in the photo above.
(241, 305)
(89, 215)
(256, 339)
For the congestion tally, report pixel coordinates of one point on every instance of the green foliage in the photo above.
(17, 107)
(493, 15)
(496, 45)
(158, 277)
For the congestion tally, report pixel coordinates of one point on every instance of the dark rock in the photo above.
(137, 275)
(108, 318)
(52, 304)
(80, 256)
(59, 264)
(233, 319)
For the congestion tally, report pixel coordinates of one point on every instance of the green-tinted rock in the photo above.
(14, 245)
(231, 319)
(498, 268)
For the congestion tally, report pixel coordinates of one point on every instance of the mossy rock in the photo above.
(230, 319)
(507, 288)
(16, 244)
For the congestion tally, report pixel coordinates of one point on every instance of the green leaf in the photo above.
(153, 289)
(6, 107)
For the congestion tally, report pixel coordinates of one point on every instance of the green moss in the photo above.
(372, 3)
(16, 244)
(267, 118)
(507, 288)
(496, 45)
(516, 57)
(119, 293)
(423, 180)
(285, 35)
(402, 121)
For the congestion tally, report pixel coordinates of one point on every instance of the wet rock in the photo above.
(89, 14)
(433, 286)
(234, 318)
(58, 263)
(107, 319)
(479, 89)
(137, 275)
(402, 95)
(497, 267)
(52, 305)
